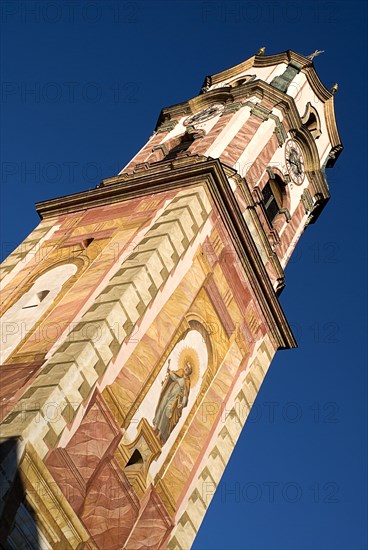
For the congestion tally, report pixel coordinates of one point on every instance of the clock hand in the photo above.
(294, 163)
(297, 164)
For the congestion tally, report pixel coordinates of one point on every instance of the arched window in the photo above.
(311, 120)
(273, 193)
(22, 316)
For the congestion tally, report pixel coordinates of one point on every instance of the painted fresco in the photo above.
(124, 397)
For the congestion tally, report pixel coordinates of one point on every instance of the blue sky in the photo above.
(82, 86)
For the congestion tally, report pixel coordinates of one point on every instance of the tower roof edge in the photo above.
(304, 64)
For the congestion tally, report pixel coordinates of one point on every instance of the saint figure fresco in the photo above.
(173, 398)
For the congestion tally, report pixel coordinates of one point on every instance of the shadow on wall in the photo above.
(18, 526)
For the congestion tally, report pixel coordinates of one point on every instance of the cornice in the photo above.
(316, 84)
(259, 61)
(255, 88)
(210, 80)
(289, 56)
(187, 172)
(332, 130)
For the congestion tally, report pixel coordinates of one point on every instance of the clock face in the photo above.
(205, 114)
(294, 161)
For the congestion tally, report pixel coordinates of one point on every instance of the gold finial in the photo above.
(261, 51)
(334, 88)
(314, 54)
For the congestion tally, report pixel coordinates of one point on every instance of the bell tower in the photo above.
(139, 318)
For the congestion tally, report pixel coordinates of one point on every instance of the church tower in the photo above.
(139, 318)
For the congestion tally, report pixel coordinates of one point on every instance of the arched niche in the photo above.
(311, 121)
(149, 434)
